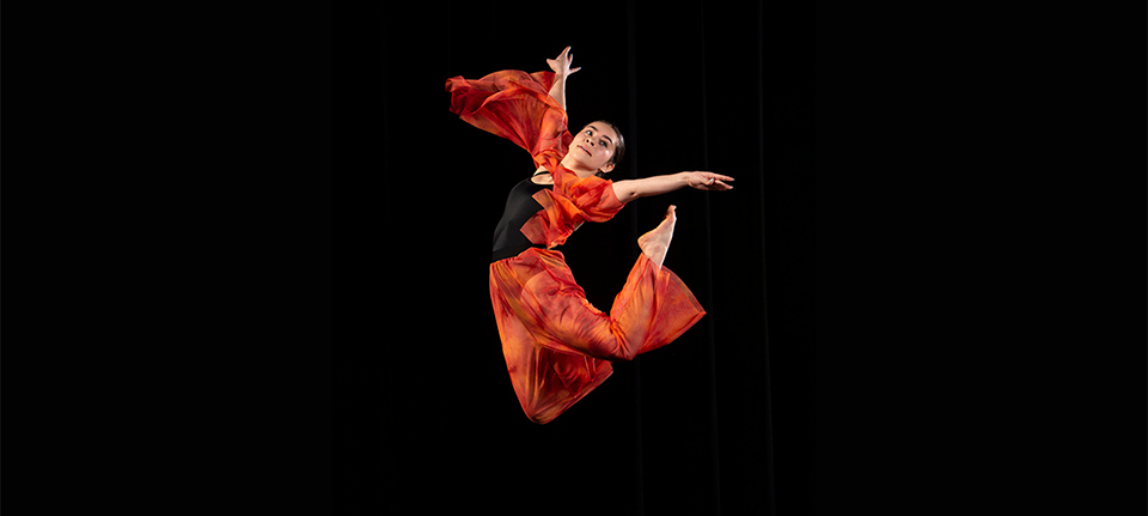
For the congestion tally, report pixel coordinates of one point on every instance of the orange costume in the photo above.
(557, 346)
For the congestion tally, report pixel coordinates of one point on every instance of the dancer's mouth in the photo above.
(584, 150)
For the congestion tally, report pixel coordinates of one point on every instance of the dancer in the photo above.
(558, 347)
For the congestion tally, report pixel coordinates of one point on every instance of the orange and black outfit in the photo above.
(557, 346)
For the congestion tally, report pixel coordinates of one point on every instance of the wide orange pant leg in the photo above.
(653, 308)
(557, 345)
(547, 382)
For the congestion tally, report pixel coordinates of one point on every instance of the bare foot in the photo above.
(655, 243)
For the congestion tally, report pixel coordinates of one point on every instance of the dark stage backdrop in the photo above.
(718, 422)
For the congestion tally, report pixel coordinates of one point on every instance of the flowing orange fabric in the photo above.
(558, 347)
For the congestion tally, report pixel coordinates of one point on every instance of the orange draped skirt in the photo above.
(558, 347)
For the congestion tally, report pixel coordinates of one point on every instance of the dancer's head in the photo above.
(598, 146)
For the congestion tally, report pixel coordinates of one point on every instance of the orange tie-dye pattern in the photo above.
(558, 347)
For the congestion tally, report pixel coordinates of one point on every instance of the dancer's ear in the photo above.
(607, 169)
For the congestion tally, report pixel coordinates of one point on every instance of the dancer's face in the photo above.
(594, 146)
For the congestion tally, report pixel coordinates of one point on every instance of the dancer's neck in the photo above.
(572, 165)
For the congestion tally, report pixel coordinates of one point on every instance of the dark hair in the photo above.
(619, 146)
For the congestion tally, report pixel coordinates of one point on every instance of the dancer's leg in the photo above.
(546, 382)
(653, 308)
(655, 243)
(557, 345)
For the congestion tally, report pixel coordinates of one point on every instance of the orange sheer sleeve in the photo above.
(573, 200)
(517, 106)
(514, 105)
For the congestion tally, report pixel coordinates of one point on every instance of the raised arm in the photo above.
(562, 70)
(631, 189)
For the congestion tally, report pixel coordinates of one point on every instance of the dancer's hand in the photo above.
(561, 64)
(708, 181)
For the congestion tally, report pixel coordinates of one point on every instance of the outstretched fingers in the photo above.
(710, 181)
(718, 177)
(561, 64)
(718, 182)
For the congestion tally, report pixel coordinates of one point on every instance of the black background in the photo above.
(217, 259)
(237, 266)
(713, 422)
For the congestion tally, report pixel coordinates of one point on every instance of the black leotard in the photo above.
(520, 206)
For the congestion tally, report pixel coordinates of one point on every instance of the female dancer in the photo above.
(557, 346)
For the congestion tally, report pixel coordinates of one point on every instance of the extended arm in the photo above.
(631, 189)
(561, 67)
